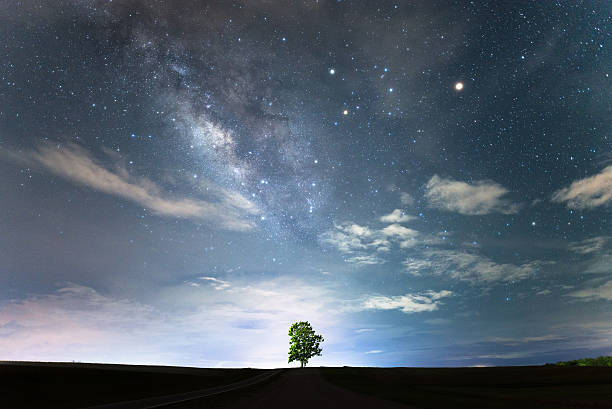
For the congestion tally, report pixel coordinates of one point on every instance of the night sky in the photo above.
(429, 183)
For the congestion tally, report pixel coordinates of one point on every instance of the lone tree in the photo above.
(304, 343)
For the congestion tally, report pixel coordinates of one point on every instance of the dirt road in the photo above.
(302, 388)
(171, 400)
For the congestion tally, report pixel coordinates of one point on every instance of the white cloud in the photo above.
(602, 292)
(246, 325)
(375, 351)
(587, 193)
(365, 260)
(409, 303)
(399, 231)
(351, 237)
(364, 330)
(357, 230)
(407, 237)
(479, 198)
(216, 283)
(365, 245)
(228, 210)
(396, 216)
(347, 237)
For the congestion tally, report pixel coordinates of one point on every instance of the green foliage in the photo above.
(304, 343)
(599, 361)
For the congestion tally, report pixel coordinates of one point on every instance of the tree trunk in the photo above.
(301, 364)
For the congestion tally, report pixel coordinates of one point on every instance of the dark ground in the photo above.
(78, 385)
(68, 385)
(501, 387)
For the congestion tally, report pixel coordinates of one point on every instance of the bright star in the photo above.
(332, 71)
(459, 86)
(345, 112)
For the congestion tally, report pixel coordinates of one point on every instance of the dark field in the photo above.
(38, 385)
(67, 385)
(502, 387)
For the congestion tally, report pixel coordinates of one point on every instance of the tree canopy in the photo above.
(304, 343)
(599, 361)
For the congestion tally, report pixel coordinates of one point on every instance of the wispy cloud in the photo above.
(371, 246)
(468, 267)
(375, 351)
(406, 199)
(602, 292)
(589, 246)
(438, 321)
(416, 266)
(226, 209)
(587, 193)
(409, 303)
(396, 216)
(478, 198)
(74, 315)
(507, 355)
(597, 252)
(527, 339)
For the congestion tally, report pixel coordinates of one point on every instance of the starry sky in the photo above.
(427, 182)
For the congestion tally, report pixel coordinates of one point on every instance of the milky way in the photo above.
(428, 183)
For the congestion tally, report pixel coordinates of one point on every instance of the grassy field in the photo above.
(502, 387)
(67, 385)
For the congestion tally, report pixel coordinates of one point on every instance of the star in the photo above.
(332, 71)
(459, 86)
(345, 112)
